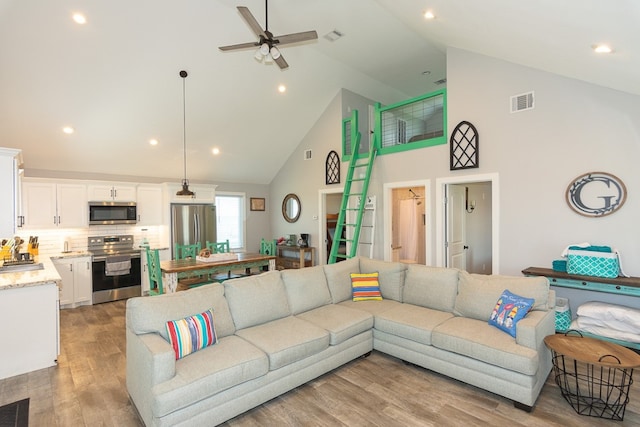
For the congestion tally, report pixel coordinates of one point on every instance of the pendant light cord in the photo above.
(184, 121)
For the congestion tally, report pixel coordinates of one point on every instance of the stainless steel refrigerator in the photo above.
(192, 223)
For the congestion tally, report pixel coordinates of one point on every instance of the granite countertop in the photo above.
(73, 254)
(25, 279)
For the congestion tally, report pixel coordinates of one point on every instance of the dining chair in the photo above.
(219, 247)
(186, 251)
(155, 275)
(268, 247)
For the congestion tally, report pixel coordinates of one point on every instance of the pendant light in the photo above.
(185, 182)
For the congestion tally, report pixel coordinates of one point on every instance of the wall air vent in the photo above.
(522, 102)
(307, 154)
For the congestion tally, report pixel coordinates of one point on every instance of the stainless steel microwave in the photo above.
(107, 213)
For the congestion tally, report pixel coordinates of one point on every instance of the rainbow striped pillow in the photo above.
(192, 333)
(365, 287)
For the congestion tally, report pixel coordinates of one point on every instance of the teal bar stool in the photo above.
(155, 274)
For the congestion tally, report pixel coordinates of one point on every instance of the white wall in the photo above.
(575, 128)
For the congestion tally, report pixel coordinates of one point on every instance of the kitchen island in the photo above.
(29, 316)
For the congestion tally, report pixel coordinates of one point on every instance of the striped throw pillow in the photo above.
(192, 333)
(365, 287)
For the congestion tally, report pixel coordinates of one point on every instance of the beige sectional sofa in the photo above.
(280, 329)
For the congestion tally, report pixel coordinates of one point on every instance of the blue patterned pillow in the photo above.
(192, 333)
(509, 309)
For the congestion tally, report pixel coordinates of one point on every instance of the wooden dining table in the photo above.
(174, 269)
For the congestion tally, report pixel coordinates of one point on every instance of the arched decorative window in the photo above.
(464, 147)
(332, 167)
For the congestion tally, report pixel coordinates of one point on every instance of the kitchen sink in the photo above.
(21, 267)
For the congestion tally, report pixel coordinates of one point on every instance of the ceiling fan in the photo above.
(267, 43)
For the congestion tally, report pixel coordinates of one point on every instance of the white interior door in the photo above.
(456, 227)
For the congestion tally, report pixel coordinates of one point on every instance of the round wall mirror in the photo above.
(291, 207)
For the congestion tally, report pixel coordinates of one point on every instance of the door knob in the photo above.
(465, 247)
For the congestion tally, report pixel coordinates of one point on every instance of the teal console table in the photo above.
(620, 285)
(614, 288)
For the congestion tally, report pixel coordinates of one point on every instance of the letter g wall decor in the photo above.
(596, 194)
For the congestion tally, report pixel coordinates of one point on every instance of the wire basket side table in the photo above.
(594, 376)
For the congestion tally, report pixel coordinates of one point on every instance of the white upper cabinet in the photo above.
(10, 190)
(47, 204)
(111, 192)
(149, 204)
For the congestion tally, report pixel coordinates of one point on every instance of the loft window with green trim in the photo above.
(416, 123)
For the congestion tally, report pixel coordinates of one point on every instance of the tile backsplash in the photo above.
(52, 240)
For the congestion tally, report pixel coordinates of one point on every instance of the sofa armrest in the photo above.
(150, 361)
(531, 330)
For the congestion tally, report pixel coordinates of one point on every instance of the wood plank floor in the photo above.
(87, 388)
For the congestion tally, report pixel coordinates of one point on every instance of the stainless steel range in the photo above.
(116, 268)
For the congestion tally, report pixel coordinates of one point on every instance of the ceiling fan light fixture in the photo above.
(264, 49)
(258, 55)
(275, 53)
(268, 59)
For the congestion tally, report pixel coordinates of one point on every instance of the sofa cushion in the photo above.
(477, 294)
(341, 322)
(390, 276)
(412, 322)
(192, 333)
(365, 287)
(286, 340)
(150, 315)
(508, 311)
(431, 287)
(230, 362)
(373, 307)
(257, 299)
(306, 288)
(339, 279)
(478, 340)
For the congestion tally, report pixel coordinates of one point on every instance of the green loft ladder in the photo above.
(355, 194)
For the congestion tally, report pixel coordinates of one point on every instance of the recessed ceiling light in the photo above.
(282, 88)
(216, 151)
(79, 18)
(601, 48)
(426, 72)
(428, 14)
(153, 141)
(68, 130)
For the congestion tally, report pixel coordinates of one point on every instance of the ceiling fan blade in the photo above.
(281, 62)
(240, 46)
(296, 37)
(257, 29)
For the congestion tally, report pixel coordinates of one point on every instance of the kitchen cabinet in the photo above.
(149, 204)
(111, 192)
(164, 253)
(10, 175)
(46, 204)
(76, 281)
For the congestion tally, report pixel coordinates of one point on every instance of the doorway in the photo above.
(467, 223)
(329, 202)
(406, 217)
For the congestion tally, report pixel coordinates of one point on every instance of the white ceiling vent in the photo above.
(522, 102)
(307, 154)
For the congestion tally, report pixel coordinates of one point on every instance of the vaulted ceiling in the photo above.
(115, 79)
